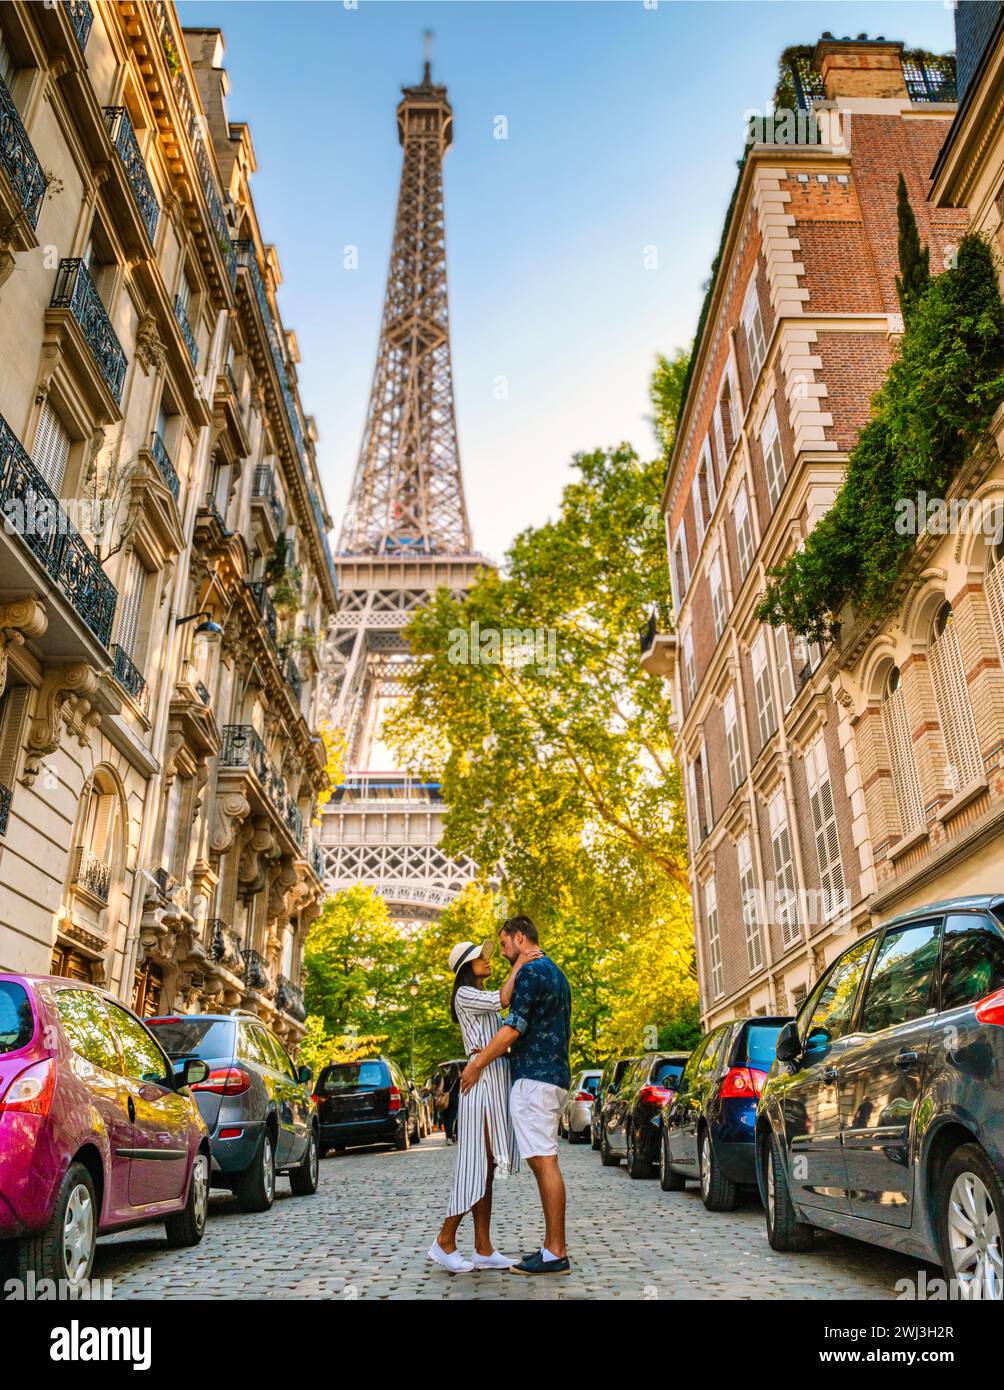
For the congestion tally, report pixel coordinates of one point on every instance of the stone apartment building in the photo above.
(797, 332)
(164, 567)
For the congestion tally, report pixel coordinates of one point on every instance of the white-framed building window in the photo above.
(785, 674)
(52, 447)
(744, 529)
(700, 520)
(750, 906)
(785, 895)
(773, 457)
(730, 372)
(766, 714)
(756, 342)
(709, 810)
(719, 433)
(696, 833)
(717, 594)
(905, 780)
(689, 665)
(733, 743)
(955, 711)
(824, 827)
(680, 569)
(714, 939)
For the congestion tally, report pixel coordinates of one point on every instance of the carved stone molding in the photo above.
(150, 351)
(229, 811)
(24, 618)
(64, 695)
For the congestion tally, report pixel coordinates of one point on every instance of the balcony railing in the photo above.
(53, 539)
(289, 998)
(256, 973)
(316, 858)
(75, 291)
(92, 873)
(181, 314)
(266, 608)
(129, 678)
(5, 795)
(243, 748)
(264, 487)
(246, 257)
(19, 160)
(123, 137)
(292, 678)
(81, 17)
(225, 945)
(164, 465)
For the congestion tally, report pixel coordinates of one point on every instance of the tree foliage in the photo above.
(914, 261)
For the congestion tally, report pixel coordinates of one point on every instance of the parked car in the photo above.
(98, 1130)
(883, 1115)
(610, 1078)
(632, 1114)
(365, 1102)
(576, 1118)
(255, 1101)
(708, 1126)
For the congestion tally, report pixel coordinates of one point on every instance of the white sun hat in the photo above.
(467, 950)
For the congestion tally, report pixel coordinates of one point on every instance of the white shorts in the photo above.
(534, 1107)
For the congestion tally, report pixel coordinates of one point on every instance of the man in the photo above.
(536, 1034)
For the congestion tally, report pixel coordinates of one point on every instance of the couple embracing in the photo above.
(512, 1091)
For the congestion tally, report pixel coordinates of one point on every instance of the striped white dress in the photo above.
(479, 1019)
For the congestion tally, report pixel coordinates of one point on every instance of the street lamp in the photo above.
(413, 991)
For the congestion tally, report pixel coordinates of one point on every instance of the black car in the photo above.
(632, 1115)
(610, 1078)
(883, 1115)
(255, 1101)
(708, 1127)
(366, 1102)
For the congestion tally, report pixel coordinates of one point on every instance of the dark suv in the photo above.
(632, 1115)
(256, 1104)
(365, 1102)
(883, 1115)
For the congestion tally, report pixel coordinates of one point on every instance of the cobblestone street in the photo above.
(365, 1234)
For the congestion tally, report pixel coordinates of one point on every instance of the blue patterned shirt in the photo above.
(541, 1012)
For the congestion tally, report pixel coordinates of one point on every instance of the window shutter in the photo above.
(784, 868)
(994, 588)
(733, 745)
(689, 669)
(714, 939)
(957, 723)
(761, 686)
(131, 603)
(756, 344)
(748, 896)
(709, 815)
(904, 766)
(786, 678)
(52, 447)
(824, 827)
(773, 458)
(695, 493)
(723, 456)
(744, 530)
(717, 594)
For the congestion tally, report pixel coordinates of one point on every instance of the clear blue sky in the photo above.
(625, 124)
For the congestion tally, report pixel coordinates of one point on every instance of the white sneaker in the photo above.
(455, 1263)
(496, 1260)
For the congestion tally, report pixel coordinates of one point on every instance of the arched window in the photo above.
(100, 831)
(900, 744)
(958, 726)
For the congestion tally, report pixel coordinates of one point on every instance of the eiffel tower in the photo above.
(405, 535)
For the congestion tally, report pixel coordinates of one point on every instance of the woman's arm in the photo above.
(505, 993)
(500, 1043)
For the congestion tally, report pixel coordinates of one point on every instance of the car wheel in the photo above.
(718, 1193)
(607, 1156)
(64, 1248)
(668, 1180)
(303, 1180)
(637, 1166)
(255, 1187)
(971, 1211)
(403, 1141)
(187, 1227)
(784, 1230)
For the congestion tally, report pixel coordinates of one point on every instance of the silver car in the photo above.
(577, 1113)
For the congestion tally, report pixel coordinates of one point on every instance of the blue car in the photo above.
(708, 1126)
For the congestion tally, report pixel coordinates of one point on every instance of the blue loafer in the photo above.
(536, 1264)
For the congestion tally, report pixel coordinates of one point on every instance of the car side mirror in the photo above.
(789, 1045)
(304, 1076)
(190, 1073)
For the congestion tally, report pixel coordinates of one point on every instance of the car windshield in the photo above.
(668, 1074)
(351, 1076)
(194, 1037)
(761, 1040)
(17, 1023)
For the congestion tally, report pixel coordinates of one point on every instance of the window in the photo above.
(717, 594)
(251, 1046)
(830, 1010)
(954, 709)
(733, 745)
(756, 343)
(994, 588)
(720, 445)
(750, 906)
(744, 529)
(906, 783)
(785, 675)
(88, 1031)
(7, 65)
(714, 939)
(142, 1058)
(700, 520)
(52, 447)
(900, 985)
(706, 474)
(131, 603)
(972, 960)
(17, 1023)
(824, 827)
(689, 668)
(786, 900)
(766, 715)
(773, 458)
(680, 569)
(733, 399)
(709, 819)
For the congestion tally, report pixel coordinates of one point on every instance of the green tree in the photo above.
(666, 394)
(914, 261)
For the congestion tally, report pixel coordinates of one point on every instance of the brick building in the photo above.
(797, 332)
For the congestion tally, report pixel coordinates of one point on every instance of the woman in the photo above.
(485, 1139)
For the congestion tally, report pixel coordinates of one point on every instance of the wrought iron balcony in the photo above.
(256, 972)
(164, 465)
(289, 998)
(19, 160)
(123, 137)
(129, 678)
(92, 873)
(243, 748)
(266, 608)
(292, 678)
(181, 314)
(225, 945)
(247, 259)
(75, 291)
(295, 821)
(316, 859)
(264, 488)
(81, 17)
(5, 795)
(53, 539)
(646, 634)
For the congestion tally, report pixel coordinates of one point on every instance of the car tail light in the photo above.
(742, 1083)
(30, 1093)
(225, 1081)
(316, 1098)
(656, 1095)
(230, 1133)
(395, 1100)
(585, 1095)
(991, 1009)
(165, 1018)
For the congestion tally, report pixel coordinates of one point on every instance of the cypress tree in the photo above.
(914, 260)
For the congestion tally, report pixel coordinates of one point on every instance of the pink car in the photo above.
(97, 1129)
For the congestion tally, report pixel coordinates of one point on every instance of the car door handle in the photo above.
(906, 1058)
(830, 1075)
(131, 1107)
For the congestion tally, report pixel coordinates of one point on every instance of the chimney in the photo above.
(860, 68)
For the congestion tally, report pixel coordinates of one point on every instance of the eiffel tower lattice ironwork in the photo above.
(405, 535)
